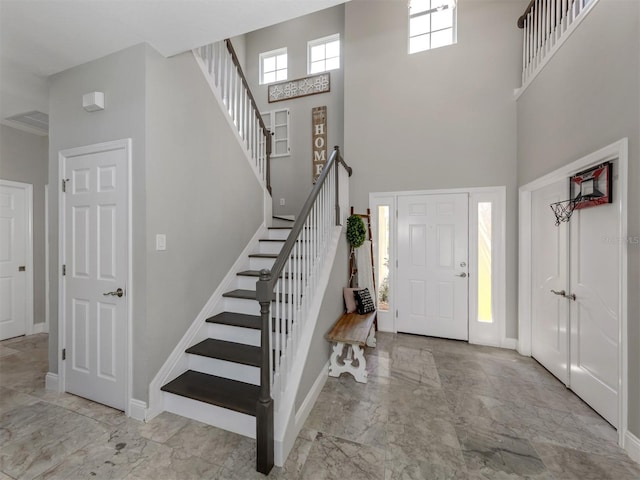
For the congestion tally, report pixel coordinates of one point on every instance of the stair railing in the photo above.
(289, 287)
(546, 24)
(224, 70)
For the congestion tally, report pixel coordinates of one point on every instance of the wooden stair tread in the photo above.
(251, 295)
(237, 320)
(239, 396)
(263, 255)
(272, 240)
(229, 351)
(256, 273)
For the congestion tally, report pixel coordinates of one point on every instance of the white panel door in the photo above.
(595, 313)
(95, 240)
(549, 311)
(13, 254)
(432, 265)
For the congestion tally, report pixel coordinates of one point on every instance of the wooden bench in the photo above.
(352, 331)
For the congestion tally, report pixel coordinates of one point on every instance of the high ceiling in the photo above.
(42, 37)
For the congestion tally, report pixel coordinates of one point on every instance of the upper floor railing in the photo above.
(546, 24)
(226, 75)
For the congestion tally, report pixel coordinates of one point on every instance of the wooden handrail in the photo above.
(285, 252)
(523, 17)
(265, 130)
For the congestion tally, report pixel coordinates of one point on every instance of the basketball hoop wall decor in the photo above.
(592, 187)
(588, 188)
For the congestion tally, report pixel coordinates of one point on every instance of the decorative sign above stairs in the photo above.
(301, 87)
(319, 140)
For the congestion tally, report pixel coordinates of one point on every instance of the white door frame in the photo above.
(616, 151)
(62, 157)
(476, 194)
(28, 260)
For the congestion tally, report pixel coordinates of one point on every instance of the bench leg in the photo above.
(371, 339)
(359, 372)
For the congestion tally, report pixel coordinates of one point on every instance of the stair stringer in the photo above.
(286, 425)
(178, 362)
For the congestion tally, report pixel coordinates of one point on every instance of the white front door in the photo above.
(595, 312)
(95, 217)
(13, 256)
(432, 265)
(549, 311)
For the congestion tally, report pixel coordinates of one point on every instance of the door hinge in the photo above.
(64, 186)
(396, 313)
(64, 353)
(396, 263)
(64, 270)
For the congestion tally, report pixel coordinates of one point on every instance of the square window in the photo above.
(323, 54)
(273, 66)
(432, 24)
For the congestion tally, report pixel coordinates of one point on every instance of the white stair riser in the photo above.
(241, 305)
(246, 282)
(222, 368)
(257, 263)
(211, 415)
(228, 333)
(279, 233)
(270, 247)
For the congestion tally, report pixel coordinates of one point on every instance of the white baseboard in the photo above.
(310, 400)
(41, 327)
(177, 361)
(51, 381)
(632, 446)
(137, 409)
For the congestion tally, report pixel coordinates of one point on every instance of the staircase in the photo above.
(240, 370)
(224, 369)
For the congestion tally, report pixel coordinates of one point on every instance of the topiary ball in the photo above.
(356, 231)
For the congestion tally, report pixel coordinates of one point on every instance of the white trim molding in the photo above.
(51, 382)
(137, 409)
(616, 151)
(632, 446)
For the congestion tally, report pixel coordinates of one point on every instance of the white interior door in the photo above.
(432, 267)
(595, 312)
(549, 311)
(96, 260)
(13, 260)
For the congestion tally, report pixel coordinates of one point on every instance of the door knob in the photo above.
(461, 275)
(118, 293)
(562, 293)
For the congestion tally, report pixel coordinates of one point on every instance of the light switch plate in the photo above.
(161, 241)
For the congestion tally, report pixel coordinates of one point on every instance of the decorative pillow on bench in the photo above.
(364, 303)
(349, 299)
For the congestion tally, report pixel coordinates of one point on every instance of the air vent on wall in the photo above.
(34, 122)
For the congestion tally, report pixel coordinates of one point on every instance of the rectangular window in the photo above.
(273, 66)
(323, 54)
(485, 310)
(277, 121)
(383, 257)
(432, 24)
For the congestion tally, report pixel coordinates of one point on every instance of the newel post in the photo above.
(264, 410)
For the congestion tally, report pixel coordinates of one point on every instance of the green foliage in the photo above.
(356, 231)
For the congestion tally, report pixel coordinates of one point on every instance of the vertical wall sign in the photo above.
(319, 139)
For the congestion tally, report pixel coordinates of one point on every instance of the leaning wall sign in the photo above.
(319, 139)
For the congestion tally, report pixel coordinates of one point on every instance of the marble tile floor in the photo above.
(432, 409)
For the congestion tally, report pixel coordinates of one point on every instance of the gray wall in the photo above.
(443, 118)
(121, 76)
(332, 308)
(587, 97)
(291, 175)
(23, 158)
(201, 192)
(191, 182)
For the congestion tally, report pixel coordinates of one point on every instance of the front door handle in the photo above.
(461, 275)
(562, 293)
(118, 293)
